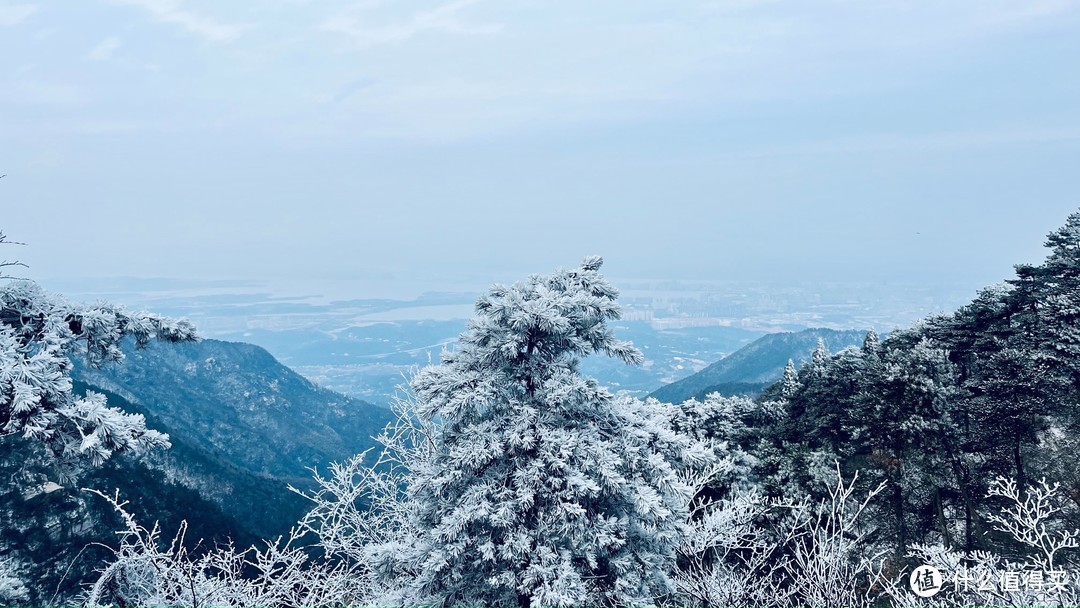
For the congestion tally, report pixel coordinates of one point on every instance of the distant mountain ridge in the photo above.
(236, 398)
(757, 364)
(243, 425)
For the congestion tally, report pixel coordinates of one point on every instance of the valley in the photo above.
(367, 348)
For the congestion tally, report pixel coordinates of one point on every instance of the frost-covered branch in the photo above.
(983, 578)
(729, 558)
(826, 567)
(39, 334)
(749, 551)
(1029, 518)
(361, 512)
(148, 572)
(8, 263)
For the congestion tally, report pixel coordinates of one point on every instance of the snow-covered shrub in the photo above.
(829, 564)
(361, 514)
(1037, 575)
(148, 572)
(731, 558)
(747, 550)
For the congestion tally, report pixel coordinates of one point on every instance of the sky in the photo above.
(425, 141)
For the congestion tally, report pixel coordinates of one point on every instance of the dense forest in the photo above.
(509, 478)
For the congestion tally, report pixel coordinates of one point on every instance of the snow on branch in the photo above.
(39, 334)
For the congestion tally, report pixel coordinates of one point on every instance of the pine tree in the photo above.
(544, 489)
(914, 431)
(872, 343)
(39, 332)
(820, 355)
(789, 384)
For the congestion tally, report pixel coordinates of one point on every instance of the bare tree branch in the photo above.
(9, 263)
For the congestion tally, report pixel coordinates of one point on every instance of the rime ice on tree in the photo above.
(38, 334)
(545, 489)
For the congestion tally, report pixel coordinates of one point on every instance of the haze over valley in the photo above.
(366, 347)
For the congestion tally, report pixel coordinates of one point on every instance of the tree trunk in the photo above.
(898, 515)
(1021, 481)
(946, 537)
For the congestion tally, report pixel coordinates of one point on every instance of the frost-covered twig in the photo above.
(983, 578)
(282, 573)
(1028, 516)
(811, 557)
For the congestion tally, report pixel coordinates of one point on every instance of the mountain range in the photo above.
(243, 427)
(758, 364)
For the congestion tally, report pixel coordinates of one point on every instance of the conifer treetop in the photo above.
(523, 333)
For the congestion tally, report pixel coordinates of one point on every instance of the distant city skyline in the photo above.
(473, 141)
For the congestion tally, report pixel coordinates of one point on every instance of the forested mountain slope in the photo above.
(757, 364)
(238, 403)
(940, 410)
(242, 428)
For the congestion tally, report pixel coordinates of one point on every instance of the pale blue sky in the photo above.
(822, 140)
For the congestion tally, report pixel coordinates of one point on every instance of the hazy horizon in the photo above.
(475, 142)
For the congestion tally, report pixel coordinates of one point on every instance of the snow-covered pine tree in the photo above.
(820, 356)
(789, 384)
(544, 488)
(871, 343)
(38, 333)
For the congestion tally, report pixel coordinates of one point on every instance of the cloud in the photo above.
(1033, 9)
(104, 49)
(173, 12)
(38, 93)
(444, 18)
(352, 88)
(14, 14)
(875, 143)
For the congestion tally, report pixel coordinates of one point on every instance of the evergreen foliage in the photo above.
(939, 410)
(544, 489)
(39, 332)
